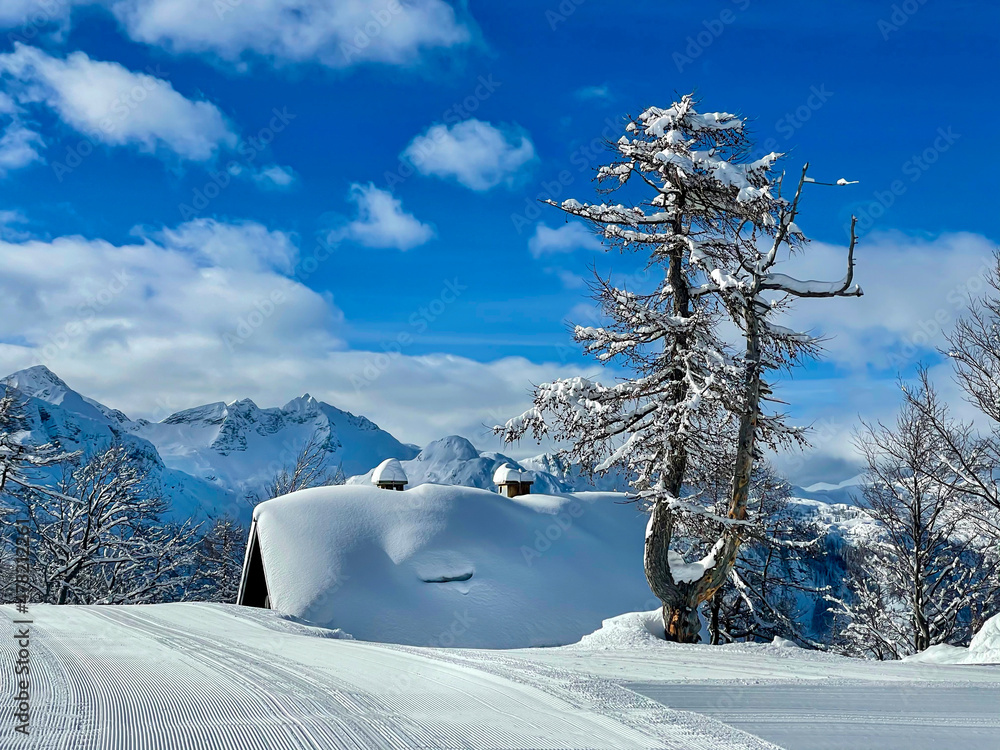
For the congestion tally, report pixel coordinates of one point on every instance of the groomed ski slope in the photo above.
(178, 676)
(182, 676)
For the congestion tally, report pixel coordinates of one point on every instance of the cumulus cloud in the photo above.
(177, 318)
(475, 154)
(915, 290)
(18, 147)
(199, 302)
(34, 15)
(335, 34)
(115, 106)
(381, 221)
(244, 246)
(564, 239)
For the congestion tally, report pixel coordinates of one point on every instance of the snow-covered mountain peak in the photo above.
(447, 449)
(39, 382)
(36, 380)
(213, 413)
(304, 405)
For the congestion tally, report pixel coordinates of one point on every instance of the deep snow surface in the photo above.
(221, 677)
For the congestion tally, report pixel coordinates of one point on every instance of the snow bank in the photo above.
(453, 566)
(633, 630)
(983, 649)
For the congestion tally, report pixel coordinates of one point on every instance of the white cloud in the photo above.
(115, 106)
(564, 239)
(33, 14)
(275, 177)
(18, 147)
(337, 34)
(476, 154)
(247, 246)
(381, 221)
(197, 303)
(176, 319)
(18, 144)
(915, 289)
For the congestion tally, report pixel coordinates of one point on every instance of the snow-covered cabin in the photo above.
(512, 481)
(446, 565)
(389, 475)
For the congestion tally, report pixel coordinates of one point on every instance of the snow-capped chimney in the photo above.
(513, 482)
(389, 475)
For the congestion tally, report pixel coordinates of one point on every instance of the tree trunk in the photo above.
(681, 622)
(713, 626)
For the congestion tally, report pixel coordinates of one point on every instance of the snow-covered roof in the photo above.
(389, 470)
(400, 567)
(508, 473)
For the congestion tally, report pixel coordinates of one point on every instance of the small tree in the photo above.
(930, 574)
(714, 223)
(312, 468)
(20, 460)
(219, 562)
(774, 572)
(98, 537)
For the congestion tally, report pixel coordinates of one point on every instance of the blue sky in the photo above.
(118, 114)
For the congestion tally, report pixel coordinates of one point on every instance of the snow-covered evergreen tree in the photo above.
(715, 224)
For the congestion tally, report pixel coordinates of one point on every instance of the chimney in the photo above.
(512, 481)
(389, 475)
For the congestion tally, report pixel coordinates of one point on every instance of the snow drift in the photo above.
(983, 649)
(453, 566)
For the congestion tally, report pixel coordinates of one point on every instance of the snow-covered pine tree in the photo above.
(705, 212)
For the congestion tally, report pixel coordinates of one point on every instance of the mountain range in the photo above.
(209, 458)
